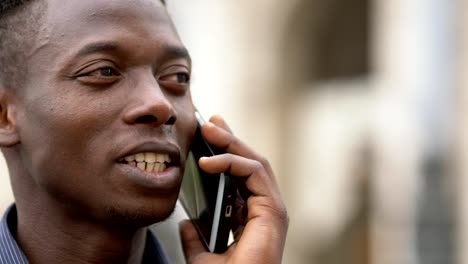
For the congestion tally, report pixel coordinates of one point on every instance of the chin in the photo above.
(139, 217)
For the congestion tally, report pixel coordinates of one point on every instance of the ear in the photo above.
(8, 130)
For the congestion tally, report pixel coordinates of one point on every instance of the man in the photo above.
(84, 86)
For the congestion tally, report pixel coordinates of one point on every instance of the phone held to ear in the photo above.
(207, 198)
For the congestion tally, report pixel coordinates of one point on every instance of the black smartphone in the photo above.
(207, 198)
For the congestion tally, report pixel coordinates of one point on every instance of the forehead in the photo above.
(72, 24)
(76, 12)
(88, 16)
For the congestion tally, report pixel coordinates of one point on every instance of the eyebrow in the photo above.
(98, 47)
(169, 51)
(176, 52)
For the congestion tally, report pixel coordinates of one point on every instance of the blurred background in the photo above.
(359, 107)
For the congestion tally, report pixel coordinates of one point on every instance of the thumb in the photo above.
(193, 247)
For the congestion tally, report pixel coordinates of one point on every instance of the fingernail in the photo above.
(217, 116)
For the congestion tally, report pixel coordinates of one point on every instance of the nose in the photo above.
(149, 105)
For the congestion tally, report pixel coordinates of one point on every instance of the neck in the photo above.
(47, 239)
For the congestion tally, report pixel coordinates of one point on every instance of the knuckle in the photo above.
(276, 208)
(234, 141)
(257, 165)
(264, 161)
(227, 157)
(283, 213)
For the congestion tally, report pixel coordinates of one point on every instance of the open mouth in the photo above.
(148, 161)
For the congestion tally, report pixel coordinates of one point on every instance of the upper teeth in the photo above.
(148, 157)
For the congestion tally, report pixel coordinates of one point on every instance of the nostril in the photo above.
(150, 119)
(146, 119)
(171, 120)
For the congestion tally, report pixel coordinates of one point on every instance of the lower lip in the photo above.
(167, 179)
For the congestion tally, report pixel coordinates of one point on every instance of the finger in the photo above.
(238, 233)
(240, 213)
(219, 121)
(191, 244)
(222, 139)
(240, 208)
(265, 200)
(257, 180)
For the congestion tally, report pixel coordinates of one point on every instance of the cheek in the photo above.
(58, 146)
(57, 133)
(186, 126)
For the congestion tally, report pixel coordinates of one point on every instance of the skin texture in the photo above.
(107, 79)
(262, 230)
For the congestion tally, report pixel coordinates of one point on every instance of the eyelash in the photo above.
(97, 77)
(178, 75)
(113, 71)
(175, 80)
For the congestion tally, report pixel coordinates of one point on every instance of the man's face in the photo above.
(107, 80)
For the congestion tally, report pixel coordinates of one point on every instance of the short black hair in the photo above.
(6, 5)
(20, 22)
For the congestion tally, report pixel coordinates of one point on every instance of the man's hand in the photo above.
(262, 229)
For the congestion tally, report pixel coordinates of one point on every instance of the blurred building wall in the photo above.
(346, 108)
(255, 63)
(6, 196)
(414, 77)
(316, 105)
(461, 147)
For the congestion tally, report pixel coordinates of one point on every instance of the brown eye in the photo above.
(175, 79)
(99, 75)
(183, 78)
(180, 78)
(107, 72)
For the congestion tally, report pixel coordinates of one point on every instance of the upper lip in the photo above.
(157, 147)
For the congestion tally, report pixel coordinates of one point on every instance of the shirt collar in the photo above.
(154, 253)
(10, 252)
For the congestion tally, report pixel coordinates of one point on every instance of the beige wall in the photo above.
(6, 196)
(310, 139)
(237, 48)
(461, 148)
